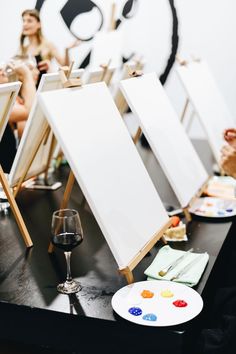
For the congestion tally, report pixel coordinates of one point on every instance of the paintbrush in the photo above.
(167, 269)
(187, 267)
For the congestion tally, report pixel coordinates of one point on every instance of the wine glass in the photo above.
(67, 233)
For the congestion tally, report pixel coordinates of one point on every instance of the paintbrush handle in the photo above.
(188, 267)
(172, 265)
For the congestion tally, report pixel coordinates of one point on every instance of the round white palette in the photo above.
(157, 311)
(222, 187)
(213, 207)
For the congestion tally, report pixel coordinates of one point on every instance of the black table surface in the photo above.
(33, 311)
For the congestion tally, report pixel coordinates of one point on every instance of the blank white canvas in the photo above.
(107, 166)
(106, 46)
(8, 94)
(127, 67)
(166, 135)
(33, 132)
(93, 76)
(207, 101)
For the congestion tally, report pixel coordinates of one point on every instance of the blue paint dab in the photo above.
(136, 311)
(220, 212)
(229, 210)
(150, 317)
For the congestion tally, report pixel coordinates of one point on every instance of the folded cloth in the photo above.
(167, 255)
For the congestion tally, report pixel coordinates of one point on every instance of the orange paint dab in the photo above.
(147, 294)
(175, 220)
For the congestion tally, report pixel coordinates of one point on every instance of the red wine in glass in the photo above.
(67, 234)
(67, 240)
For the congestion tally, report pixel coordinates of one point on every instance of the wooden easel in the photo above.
(64, 73)
(5, 185)
(203, 182)
(187, 103)
(135, 73)
(105, 77)
(113, 17)
(128, 72)
(15, 209)
(127, 271)
(66, 83)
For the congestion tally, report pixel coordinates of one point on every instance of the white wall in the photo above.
(206, 29)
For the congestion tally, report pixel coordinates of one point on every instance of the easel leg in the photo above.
(190, 121)
(187, 214)
(137, 135)
(222, 172)
(164, 240)
(53, 142)
(105, 69)
(15, 210)
(184, 110)
(66, 196)
(128, 275)
(30, 162)
(129, 278)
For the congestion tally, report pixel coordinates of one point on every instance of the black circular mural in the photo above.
(86, 9)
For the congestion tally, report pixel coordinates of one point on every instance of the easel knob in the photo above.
(135, 73)
(64, 72)
(181, 61)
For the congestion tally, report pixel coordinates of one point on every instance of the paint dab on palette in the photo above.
(166, 293)
(150, 317)
(214, 207)
(180, 303)
(221, 212)
(209, 213)
(136, 311)
(147, 294)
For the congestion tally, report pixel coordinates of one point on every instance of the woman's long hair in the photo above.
(34, 13)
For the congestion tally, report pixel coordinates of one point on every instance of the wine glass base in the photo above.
(69, 287)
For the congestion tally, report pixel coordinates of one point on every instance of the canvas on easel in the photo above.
(207, 101)
(128, 68)
(32, 157)
(104, 73)
(107, 47)
(109, 170)
(166, 136)
(8, 95)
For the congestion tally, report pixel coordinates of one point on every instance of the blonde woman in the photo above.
(33, 43)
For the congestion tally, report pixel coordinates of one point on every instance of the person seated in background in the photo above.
(34, 44)
(19, 113)
(228, 153)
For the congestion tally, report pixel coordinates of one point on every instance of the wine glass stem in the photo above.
(68, 271)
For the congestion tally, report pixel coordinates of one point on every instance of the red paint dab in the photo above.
(180, 303)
